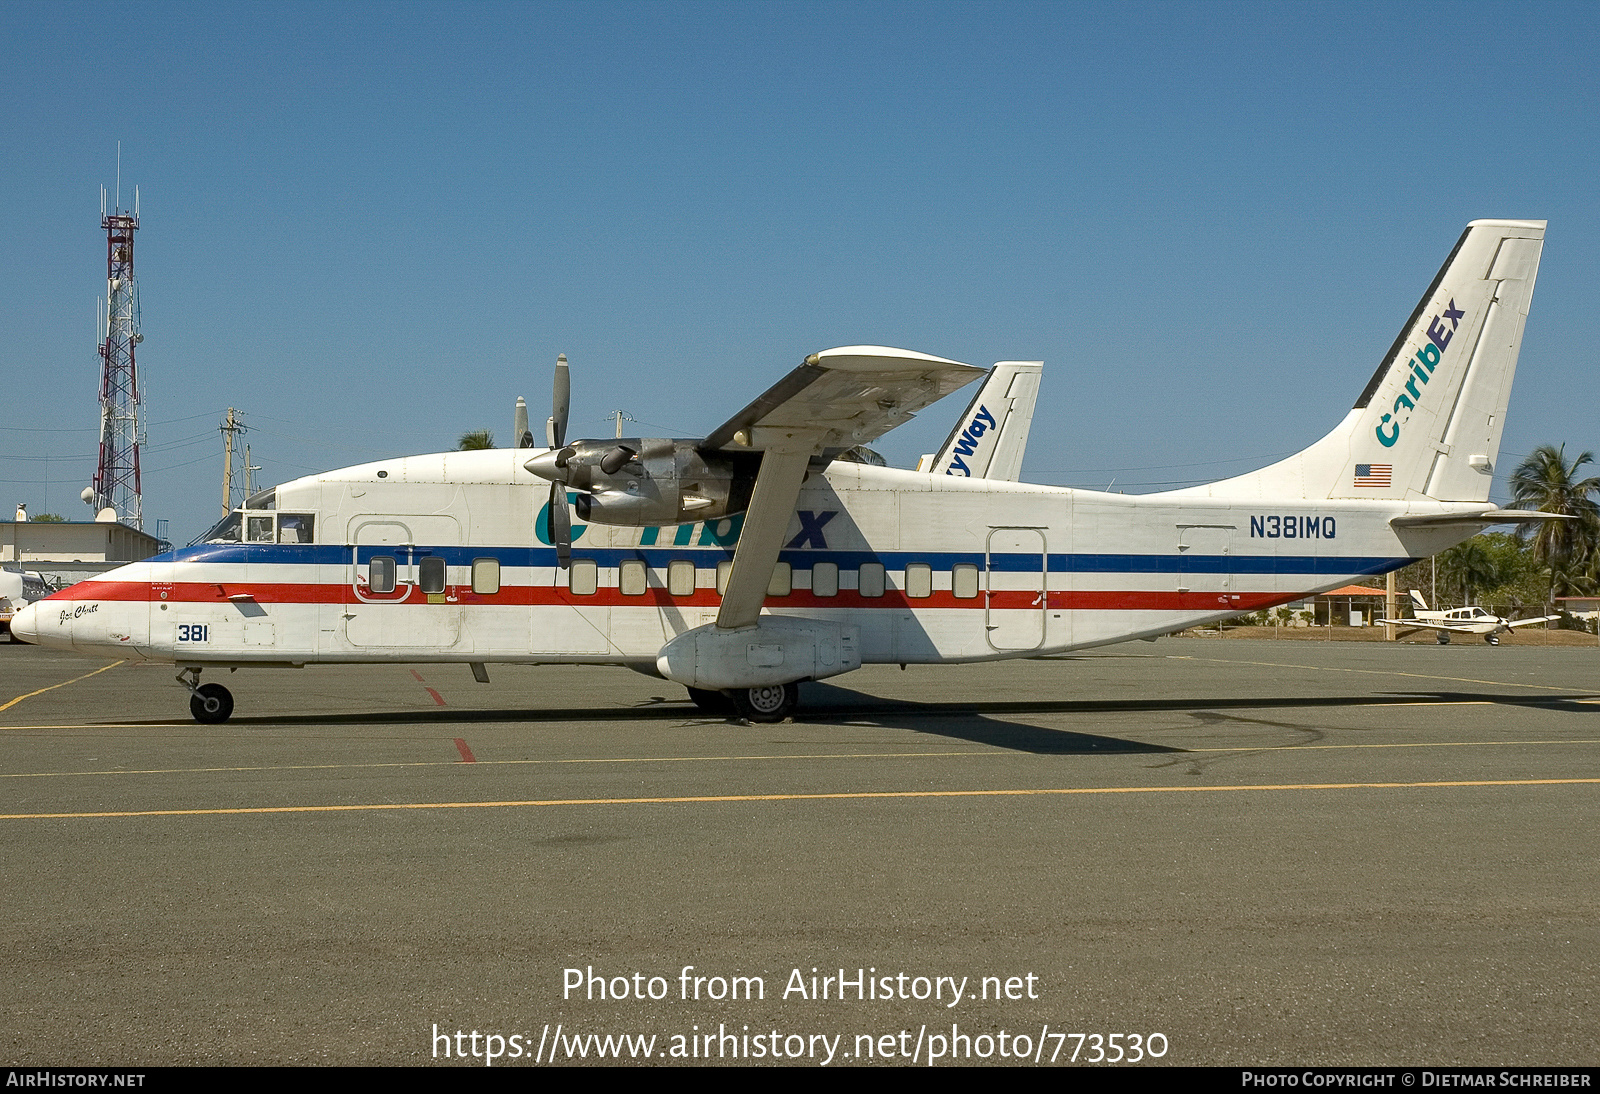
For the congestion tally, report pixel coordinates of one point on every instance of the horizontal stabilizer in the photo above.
(1486, 518)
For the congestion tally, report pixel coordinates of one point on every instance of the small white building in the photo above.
(69, 551)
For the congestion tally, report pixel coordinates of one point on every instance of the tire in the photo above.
(211, 704)
(772, 703)
(1492, 639)
(1444, 638)
(712, 702)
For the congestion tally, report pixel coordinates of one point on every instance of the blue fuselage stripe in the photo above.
(284, 554)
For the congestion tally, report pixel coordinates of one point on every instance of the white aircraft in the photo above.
(747, 561)
(1460, 621)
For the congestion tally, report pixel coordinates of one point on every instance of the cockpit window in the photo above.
(226, 530)
(258, 529)
(295, 527)
(263, 499)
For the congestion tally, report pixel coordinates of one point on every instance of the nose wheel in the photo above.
(210, 704)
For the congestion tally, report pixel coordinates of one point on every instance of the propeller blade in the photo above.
(616, 459)
(519, 430)
(560, 404)
(559, 530)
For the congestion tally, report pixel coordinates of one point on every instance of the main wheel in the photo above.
(1492, 639)
(1444, 638)
(211, 704)
(772, 703)
(712, 702)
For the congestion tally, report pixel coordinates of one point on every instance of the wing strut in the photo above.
(783, 470)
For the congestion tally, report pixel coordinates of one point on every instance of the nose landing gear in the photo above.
(211, 704)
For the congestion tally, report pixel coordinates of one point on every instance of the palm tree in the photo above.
(475, 441)
(1546, 482)
(1470, 565)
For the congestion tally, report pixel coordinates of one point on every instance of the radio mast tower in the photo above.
(116, 479)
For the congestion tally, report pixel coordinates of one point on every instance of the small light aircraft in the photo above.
(743, 562)
(18, 589)
(1460, 621)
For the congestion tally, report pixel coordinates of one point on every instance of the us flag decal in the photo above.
(1374, 474)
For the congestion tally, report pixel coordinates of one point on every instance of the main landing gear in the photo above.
(771, 703)
(211, 704)
(1444, 638)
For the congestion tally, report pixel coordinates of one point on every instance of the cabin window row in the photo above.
(633, 579)
(432, 575)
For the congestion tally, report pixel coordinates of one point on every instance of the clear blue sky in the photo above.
(370, 227)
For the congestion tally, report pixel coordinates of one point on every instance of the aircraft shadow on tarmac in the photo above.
(981, 722)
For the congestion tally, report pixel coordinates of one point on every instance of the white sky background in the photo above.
(370, 229)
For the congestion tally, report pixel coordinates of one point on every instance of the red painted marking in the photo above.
(415, 675)
(437, 698)
(466, 753)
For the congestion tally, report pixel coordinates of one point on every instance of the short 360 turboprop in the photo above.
(747, 561)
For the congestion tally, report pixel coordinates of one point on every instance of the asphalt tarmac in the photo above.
(1266, 853)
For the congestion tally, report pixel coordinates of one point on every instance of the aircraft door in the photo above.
(399, 578)
(1016, 605)
(164, 609)
(1205, 567)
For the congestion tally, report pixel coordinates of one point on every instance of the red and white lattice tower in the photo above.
(116, 479)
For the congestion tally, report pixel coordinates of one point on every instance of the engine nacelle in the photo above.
(777, 650)
(644, 481)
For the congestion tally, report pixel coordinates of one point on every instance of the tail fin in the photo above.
(1429, 422)
(990, 438)
(1416, 598)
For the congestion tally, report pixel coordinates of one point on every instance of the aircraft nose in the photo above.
(25, 624)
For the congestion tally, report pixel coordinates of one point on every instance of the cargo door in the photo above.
(1015, 609)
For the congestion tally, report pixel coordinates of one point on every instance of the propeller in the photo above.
(559, 526)
(519, 430)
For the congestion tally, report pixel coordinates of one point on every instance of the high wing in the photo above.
(833, 401)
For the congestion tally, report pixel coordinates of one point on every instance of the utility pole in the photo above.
(621, 417)
(234, 424)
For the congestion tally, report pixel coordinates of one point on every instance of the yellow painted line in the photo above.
(1171, 750)
(1376, 672)
(63, 684)
(508, 763)
(840, 796)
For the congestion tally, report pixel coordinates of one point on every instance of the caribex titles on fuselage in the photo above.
(805, 566)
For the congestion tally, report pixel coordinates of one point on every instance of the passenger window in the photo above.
(295, 527)
(584, 577)
(919, 580)
(380, 574)
(724, 568)
(782, 583)
(431, 574)
(824, 579)
(486, 575)
(871, 581)
(258, 530)
(964, 580)
(680, 578)
(634, 578)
